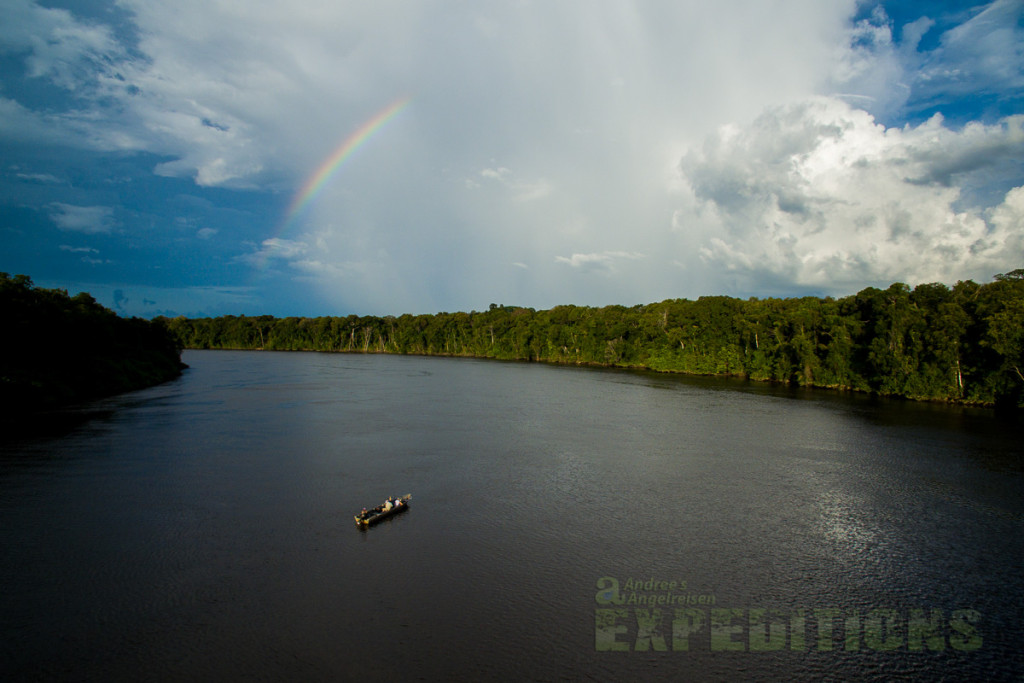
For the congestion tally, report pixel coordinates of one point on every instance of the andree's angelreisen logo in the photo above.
(643, 615)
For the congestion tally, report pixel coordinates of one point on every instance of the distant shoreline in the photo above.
(961, 345)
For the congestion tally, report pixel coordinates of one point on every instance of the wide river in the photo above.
(566, 524)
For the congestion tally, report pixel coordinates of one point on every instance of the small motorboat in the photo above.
(389, 507)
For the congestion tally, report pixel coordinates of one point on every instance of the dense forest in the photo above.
(60, 349)
(963, 343)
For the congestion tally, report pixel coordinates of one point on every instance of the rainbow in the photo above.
(323, 174)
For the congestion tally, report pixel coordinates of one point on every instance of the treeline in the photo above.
(60, 349)
(933, 342)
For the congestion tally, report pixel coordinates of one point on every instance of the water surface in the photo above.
(203, 529)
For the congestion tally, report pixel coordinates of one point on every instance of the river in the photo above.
(566, 524)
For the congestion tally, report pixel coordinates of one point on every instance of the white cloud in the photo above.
(274, 248)
(282, 248)
(535, 128)
(602, 261)
(1008, 219)
(497, 173)
(819, 194)
(321, 269)
(42, 178)
(147, 301)
(239, 92)
(21, 123)
(87, 254)
(871, 69)
(59, 46)
(522, 190)
(87, 219)
(982, 55)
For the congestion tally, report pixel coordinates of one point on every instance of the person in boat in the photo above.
(387, 505)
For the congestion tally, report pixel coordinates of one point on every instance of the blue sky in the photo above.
(570, 152)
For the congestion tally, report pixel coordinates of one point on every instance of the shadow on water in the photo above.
(25, 439)
(1000, 449)
(51, 424)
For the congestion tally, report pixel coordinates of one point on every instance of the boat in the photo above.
(391, 506)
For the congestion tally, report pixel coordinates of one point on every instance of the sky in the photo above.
(336, 157)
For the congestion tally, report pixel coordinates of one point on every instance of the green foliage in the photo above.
(932, 342)
(60, 349)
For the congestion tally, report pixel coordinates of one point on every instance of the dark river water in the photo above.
(566, 524)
